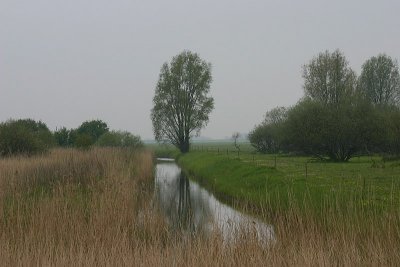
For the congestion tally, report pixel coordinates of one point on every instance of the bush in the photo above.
(94, 129)
(268, 136)
(83, 141)
(119, 139)
(334, 131)
(24, 137)
(264, 138)
(63, 137)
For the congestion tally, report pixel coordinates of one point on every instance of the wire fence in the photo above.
(297, 166)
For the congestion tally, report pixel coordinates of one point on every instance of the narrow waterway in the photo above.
(190, 207)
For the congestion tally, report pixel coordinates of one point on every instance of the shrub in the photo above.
(83, 141)
(264, 139)
(94, 129)
(63, 137)
(119, 139)
(24, 137)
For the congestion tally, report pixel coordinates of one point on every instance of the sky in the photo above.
(65, 62)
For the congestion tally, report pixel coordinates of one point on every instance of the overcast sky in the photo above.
(65, 62)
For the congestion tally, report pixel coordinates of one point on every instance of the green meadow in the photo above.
(279, 182)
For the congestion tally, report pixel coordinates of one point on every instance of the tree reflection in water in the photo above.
(185, 214)
(185, 207)
(191, 208)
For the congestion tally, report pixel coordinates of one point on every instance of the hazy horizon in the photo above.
(65, 62)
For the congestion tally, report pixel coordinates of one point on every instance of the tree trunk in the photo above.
(184, 146)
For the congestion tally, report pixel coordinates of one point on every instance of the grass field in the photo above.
(280, 181)
(359, 200)
(97, 208)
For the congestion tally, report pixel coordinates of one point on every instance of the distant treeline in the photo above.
(341, 114)
(27, 136)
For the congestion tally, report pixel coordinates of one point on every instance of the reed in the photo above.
(96, 208)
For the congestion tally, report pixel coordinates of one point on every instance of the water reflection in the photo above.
(190, 207)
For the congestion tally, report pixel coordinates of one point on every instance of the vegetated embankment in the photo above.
(96, 207)
(343, 220)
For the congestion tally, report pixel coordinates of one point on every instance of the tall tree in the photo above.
(181, 102)
(379, 81)
(328, 78)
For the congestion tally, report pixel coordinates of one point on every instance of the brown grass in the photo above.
(95, 208)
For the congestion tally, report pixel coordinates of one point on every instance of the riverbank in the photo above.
(349, 210)
(98, 208)
(346, 187)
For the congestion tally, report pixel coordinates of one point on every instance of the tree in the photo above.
(24, 136)
(94, 129)
(235, 137)
(181, 102)
(119, 139)
(336, 132)
(62, 137)
(276, 115)
(379, 81)
(389, 141)
(263, 138)
(268, 136)
(328, 78)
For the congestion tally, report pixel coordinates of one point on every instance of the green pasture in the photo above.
(281, 182)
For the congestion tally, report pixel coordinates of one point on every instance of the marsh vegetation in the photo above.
(97, 207)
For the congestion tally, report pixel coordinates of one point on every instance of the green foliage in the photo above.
(95, 132)
(181, 101)
(328, 78)
(379, 81)
(24, 136)
(119, 139)
(63, 137)
(390, 129)
(264, 138)
(334, 131)
(338, 118)
(83, 141)
(94, 129)
(268, 136)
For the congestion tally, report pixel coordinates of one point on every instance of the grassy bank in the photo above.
(283, 182)
(351, 205)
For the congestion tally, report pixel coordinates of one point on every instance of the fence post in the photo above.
(306, 170)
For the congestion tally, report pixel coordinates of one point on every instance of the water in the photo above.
(190, 207)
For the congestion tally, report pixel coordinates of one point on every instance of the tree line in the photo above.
(27, 136)
(341, 114)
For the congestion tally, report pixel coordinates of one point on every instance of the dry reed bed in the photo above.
(95, 208)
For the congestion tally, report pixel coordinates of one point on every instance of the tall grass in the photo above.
(91, 208)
